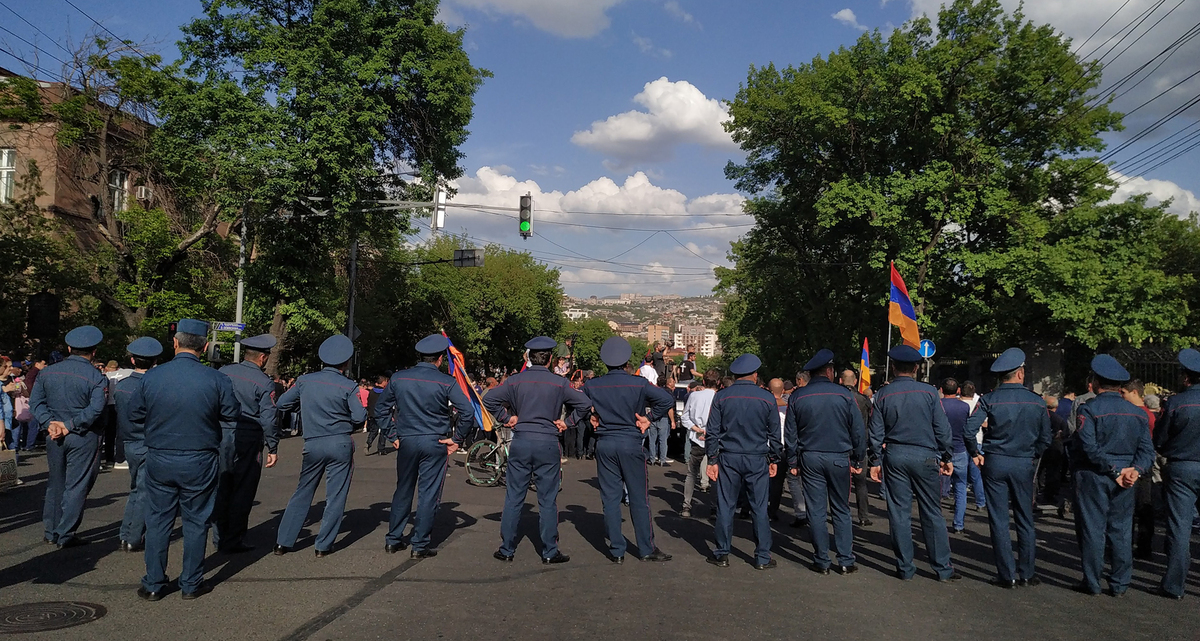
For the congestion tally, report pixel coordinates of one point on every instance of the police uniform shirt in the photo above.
(743, 419)
(908, 412)
(71, 391)
(328, 403)
(1178, 429)
(536, 396)
(618, 396)
(1018, 423)
(128, 429)
(184, 405)
(1113, 434)
(255, 392)
(420, 398)
(823, 416)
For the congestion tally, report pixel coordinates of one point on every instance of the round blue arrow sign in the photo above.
(928, 349)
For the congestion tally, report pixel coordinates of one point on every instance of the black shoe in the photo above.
(558, 558)
(1167, 595)
(820, 570)
(422, 554)
(865, 523)
(954, 576)
(500, 556)
(1143, 554)
(1001, 583)
(657, 556)
(719, 561)
(618, 560)
(240, 548)
(1083, 588)
(197, 593)
(72, 542)
(743, 514)
(1031, 582)
(320, 554)
(767, 566)
(846, 569)
(392, 548)
(800, 523)
(281, 550)
(146, 595)
(773, 516)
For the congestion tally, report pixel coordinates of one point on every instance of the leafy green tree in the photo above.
(962, 155)
(589, 335)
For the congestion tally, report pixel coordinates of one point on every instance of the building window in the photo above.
(118, 182)
(8, 174)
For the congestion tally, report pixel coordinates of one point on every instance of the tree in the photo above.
(589, 335)
(958, 156)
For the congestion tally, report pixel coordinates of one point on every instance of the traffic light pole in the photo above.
(353, 274)
(241, 292)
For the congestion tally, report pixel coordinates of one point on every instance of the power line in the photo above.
(22, 60)
(114, 35)
(603, 213)
(1104, 24)
(35, 28)
(35, 47)
(585, 225)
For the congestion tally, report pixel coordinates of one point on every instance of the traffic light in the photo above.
(171, 328)
(526, 216)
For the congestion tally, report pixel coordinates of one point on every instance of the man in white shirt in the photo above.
(648, 372)
(694, 419)
(966, 393)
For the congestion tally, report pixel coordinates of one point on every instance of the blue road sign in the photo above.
(928, 349)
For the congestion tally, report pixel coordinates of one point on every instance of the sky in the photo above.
(609, 111)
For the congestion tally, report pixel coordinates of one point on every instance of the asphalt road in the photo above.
(360, 592)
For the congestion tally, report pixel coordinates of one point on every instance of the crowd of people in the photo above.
(195, 436)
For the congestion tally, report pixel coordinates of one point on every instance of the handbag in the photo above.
(21, 409)
(8, 467)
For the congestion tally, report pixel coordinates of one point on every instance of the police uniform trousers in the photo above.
(333, 457)
(536, 458)
(183, 482)
(133, 526)
(421, 464)
(1008, 481)
(1104, 511)
(735, 473)
(1181, 484)
(74, 462)
(622, 460)
(826, 477)
(238, 484)
(909, 472)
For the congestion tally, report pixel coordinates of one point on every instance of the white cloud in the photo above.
(1183, 201)
(677, 11)
(676, 113)
(566, 18)
(647, 46)
(847, 17)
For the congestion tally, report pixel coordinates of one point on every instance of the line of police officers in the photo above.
(194, 439)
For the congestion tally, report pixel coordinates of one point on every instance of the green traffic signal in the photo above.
(524, 225)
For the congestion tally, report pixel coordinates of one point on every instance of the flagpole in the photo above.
(887, 367)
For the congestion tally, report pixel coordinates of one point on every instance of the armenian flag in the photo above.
(458, 369)
(901, 312)
(864, 371)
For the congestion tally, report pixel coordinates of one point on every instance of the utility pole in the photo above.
(241, 291)
(350, 298)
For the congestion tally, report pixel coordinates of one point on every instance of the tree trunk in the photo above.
(279, 331)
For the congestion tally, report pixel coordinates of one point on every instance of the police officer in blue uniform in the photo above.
(1111, 449)
(910, 432)
(823, 435)
(1018, 432)
(531, 403)
(1177, 436)
(617, 398)
(744, 447)
(143, 353)
(330, 410)
(68, 397)
(241, 454)
(183, 405)
(414, 414)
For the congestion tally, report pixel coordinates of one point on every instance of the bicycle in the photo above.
(487, 461)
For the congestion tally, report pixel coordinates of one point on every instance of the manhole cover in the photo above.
(51, 615)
